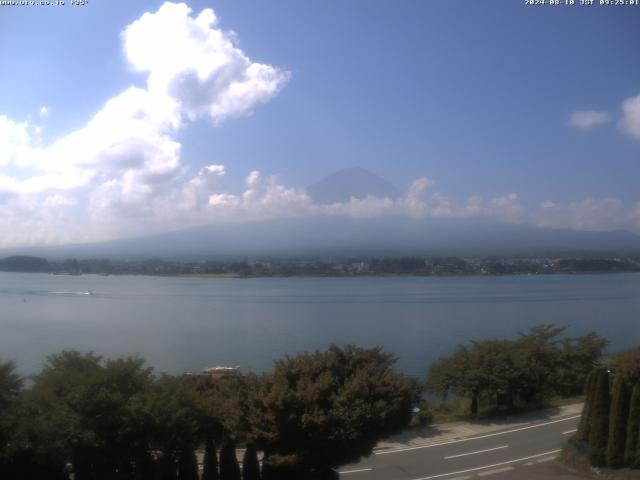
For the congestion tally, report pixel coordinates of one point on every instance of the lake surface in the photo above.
(181, 324)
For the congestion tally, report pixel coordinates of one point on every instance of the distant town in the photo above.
(326, 267)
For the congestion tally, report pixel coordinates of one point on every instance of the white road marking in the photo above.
(570, 431)
(385, 452)
(493, 472)
(488, 466)
(355, 471)
(479, 451)
(466, 477)
(547, 459)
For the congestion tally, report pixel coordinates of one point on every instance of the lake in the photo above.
(182, 324)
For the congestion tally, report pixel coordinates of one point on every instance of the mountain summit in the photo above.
(351, 182)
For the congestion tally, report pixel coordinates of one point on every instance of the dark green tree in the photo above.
(167, 467)
(327, 408)
(210, 462)
(171, 413)
(633, 426)
(618, 422)
(229, 468)
(599, 429)
(83, 411)
(539, 357)
(455, 374)
(585, 419)
(532, 368)
(187, 464)
(578, 357)
(250, 465)
(268, 472)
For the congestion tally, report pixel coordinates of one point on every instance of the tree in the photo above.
(10, 389)
(10, 385)
(618, 422)
(585, 419)
(628, 363)
(84, 411)
(187, 464)
(250, 465)
(454, 374)
(599, 429)
(539, 367)
(171, 414)
(229, 468)
(167, 467)
(633, 425)
(578, 357)
(210, 462)
(531, 368)
(327, 408)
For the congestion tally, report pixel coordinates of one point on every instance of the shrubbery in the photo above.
(509, 373)
(97, 418)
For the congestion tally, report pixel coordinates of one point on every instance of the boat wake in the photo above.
(88, 292)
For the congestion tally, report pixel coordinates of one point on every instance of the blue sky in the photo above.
(520, 109)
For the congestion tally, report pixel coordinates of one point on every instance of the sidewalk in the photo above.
(453, 431)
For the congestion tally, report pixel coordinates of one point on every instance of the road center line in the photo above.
(497, 470)
(537, 425)
(488, 466)
(479, 451)
(570, 431)
(355, 471)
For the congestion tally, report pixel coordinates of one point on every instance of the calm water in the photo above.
(189, 323)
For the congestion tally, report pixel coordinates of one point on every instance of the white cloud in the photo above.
(630, 122)
(14, 140)
(123, 170)
(215, 169)
(198, 65)
(58, 200)
(44, 111)
(588, 118)
(595, 214)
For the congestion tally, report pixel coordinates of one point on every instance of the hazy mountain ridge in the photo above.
(346, 236)
(351, 182)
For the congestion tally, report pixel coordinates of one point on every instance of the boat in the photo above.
(215, 373)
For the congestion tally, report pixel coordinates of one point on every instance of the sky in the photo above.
(122, 118)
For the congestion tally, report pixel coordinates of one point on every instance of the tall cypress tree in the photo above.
(633, 426)
(187, 464)
(229, 468)
(167, 468)
(618, 422)
(250, 466)
(267, 468)
(599, 428)
(210, 463)
(585, 419)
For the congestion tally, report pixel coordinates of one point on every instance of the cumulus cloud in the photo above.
(123, 169)
(588, 118)
(14, 140)
(190, 60)
(595, 214)
(630, 122)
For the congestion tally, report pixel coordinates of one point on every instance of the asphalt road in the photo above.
(496, 453)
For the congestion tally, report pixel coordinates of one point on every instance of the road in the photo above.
(480, 456)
